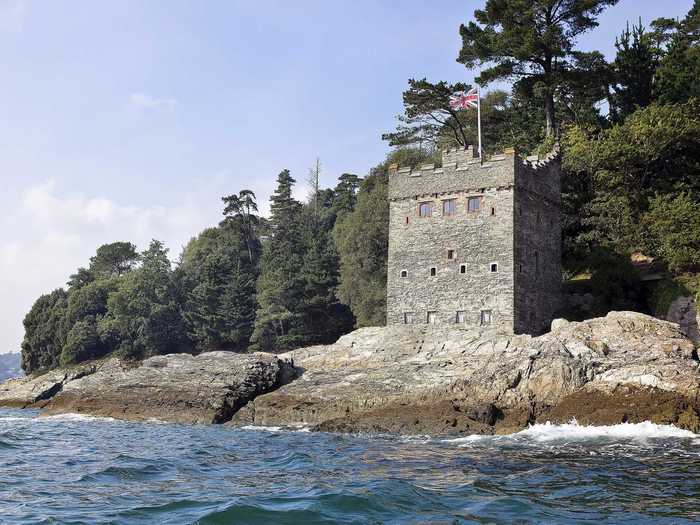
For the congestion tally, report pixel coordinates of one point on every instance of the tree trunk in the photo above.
(549, 113)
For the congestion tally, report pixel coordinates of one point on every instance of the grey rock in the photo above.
(440, 379)
(207, 388)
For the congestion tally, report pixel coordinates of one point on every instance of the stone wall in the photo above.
(517, 300)
(417, 244)
(537, 244)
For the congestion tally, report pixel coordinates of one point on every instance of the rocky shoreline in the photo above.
(438, 380)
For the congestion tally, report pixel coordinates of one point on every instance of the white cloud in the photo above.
(144, 102)
(50, 234)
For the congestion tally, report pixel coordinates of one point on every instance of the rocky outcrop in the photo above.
(208, 388)
(420, 379)
(431, 379)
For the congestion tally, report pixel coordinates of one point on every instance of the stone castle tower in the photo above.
(476, 244)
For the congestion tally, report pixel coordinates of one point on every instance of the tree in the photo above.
(530, 41)
(80, 278)
(217, 274)
(362, 241)
(345, 194)
(428, 115)
(654, 152)
(634, 68)
(113, 260)
(674, 225)
(324, 318)
(243, 206)
(44, 334)
(278, 320)
(362, 238)
(82, 343)
(313, 181)
(676, 77)
(144, 308)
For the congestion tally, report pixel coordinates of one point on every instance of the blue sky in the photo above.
(127, 120)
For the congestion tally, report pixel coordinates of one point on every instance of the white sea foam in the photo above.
(573, 432)
(290, 428)
(75, 418)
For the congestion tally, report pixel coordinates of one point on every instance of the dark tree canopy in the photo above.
(113, 260)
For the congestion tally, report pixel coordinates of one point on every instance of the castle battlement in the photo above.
(461, 171)
(475, 242)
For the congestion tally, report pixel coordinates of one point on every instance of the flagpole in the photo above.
(478, 116)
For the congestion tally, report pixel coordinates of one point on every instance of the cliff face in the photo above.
(421, 379)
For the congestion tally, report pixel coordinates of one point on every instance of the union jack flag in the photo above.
(464, 99)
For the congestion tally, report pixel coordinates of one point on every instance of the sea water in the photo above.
(76, 469)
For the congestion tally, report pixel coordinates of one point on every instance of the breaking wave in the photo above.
(574, 432)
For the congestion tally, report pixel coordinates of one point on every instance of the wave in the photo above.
(262, 428)
(76, 418)
(572, 431)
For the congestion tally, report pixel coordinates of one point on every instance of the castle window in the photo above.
(538, 217)
(473, 204)
(409, 318)
(520, 268)
(433, 271)
(406, 220)
(404, 273)
(485, 317)
(493, 211)
(463, 268)
(425, 209)
(432, 318)
(493, 267)
(450, 254)
(449, 207)
(461, 317)
(537, 263)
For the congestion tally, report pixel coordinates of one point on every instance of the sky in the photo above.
(128, 120)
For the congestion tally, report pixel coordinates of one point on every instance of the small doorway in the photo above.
(432, 317)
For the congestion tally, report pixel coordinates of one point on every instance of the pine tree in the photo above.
(530, 41)
(633, 69)
(280, 289)
(217, 275)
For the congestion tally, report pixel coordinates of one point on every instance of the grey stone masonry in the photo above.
(476, 243)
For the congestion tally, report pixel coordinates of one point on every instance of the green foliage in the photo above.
(217, 277)
(531, 41)
(634, 68)
(82, 343)
(44, 333)
(144, 308)
(428, 116)
(653, 152)
(112, 260)
(673, 223)
(676, 79)
(362, 241)
(280, 286)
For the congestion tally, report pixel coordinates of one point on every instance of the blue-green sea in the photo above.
(81, 470)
